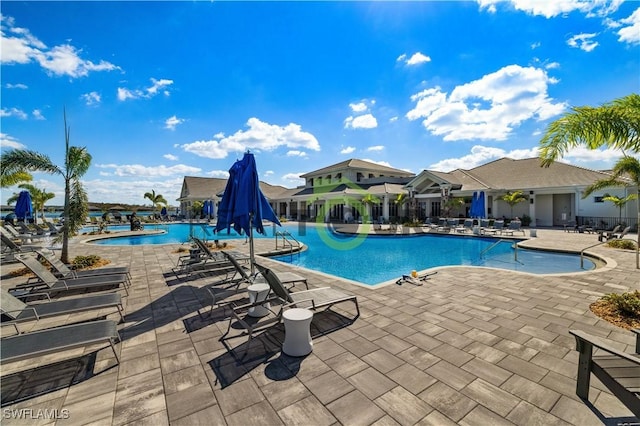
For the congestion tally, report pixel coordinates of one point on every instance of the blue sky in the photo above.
(159, 90)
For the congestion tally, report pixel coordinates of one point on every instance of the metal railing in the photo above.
(288, 241)
(514, 245)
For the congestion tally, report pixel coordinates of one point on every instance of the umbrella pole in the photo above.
(251, 254)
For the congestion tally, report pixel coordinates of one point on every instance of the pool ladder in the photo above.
(515, 249)
(288, 241)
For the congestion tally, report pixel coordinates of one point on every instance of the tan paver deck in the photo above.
(472, 346)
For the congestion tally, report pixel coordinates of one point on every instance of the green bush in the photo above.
(80, 262)
(622, 244)
(526, 220)
(625, 303)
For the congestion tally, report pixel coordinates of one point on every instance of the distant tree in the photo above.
(156, 199)
(512, 198)
(76, 163)
(619, 202)
(451, 204)
(196, 208)
(370, 200)
(39, 198)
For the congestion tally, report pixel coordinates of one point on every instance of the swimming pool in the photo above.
(375, 259)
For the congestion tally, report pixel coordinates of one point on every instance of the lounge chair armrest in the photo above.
(582, 338)
(637, 332)
(247, 306)
(11, 323)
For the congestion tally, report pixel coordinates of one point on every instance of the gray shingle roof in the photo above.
(359, 165)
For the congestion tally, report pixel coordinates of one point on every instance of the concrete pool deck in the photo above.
(472, 346)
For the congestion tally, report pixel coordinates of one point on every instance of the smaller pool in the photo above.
(174, 233)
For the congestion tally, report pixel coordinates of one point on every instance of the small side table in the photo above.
(297, 333)
(258, 293)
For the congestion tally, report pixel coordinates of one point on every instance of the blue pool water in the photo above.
(376, 259)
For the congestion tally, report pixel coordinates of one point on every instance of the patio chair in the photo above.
(514, 226)
(202, 259)
(443, 225)
(53, 230)
(63, 271)
(35, 231)
(607, 235)
(17, 311)
(58, 339)
(11, 247)
(617, 370)
(467, 226)
(50, 284)
(318, 298)
(616, 236)
(498, 227)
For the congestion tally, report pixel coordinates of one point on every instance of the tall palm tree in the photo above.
(39, 198)
(76, 164)
(612, 125)
(156, 199)
(512, 198)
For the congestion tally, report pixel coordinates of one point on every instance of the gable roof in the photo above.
(358, 165)
(204, 188)
(509, 174)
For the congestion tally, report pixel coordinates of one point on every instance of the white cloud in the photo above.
(488, 108)
(583, 42)
(630, 33)
(295, 153)
(16, 86)
(359, 107)
(171, 122)
(13, 112)
(157, 86)
(259, 135)
(415, 59)
(7, 141)
(171, 157)
(129, 192)
(91, 98)
(552, 65)
(269, 173)
(222, 174)
(376, 148)
(366, 121)
(19, 46)
(149, 171)
(293, 179)
(37, 114)
(548, 9)
(347, 150)
(393, 119)
(481, 155)
(381, 163)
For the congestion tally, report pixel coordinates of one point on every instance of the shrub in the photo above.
(80, 262)
(625, 303)
(622, 244)
(526, 220)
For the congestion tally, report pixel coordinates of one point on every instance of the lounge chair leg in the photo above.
(584, 371)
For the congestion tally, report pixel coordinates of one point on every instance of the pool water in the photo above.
(374, 259)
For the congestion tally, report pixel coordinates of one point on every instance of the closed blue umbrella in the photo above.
(163, 211)
(473, 211)
(243, 204)
(480, 208)
(24, 207)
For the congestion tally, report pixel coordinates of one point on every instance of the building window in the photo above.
(598, 199)
(359, 177)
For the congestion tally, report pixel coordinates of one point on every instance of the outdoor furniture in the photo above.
(63, 271)
(514, 226)
(58, 339)
(607, 235)
(259, 293)
(318, 298)
(617, 370)
(50, 284)
(415, 279)
(18, 311)
(297, 332)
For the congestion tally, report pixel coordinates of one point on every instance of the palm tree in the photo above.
(369, 200)
(156, 199)
(613, 125)
(512, 198)
(76, 164)
(39, 198)
(14, 178)
(453, 203)
(619, 202)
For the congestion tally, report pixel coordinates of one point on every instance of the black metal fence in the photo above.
(608, 222)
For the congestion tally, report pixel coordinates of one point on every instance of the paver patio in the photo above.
(472, 346)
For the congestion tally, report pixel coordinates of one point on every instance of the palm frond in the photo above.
(17, 160)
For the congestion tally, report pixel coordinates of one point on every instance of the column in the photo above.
(385, 207)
